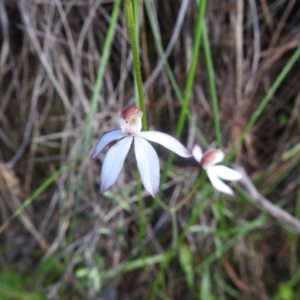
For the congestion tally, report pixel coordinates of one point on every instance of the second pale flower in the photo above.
(209, 161)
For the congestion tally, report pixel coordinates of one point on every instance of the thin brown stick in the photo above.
(270, 208)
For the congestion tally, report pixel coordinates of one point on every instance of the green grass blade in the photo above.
(160, 50)
(135, 264)
(212, 86)
(205, 287)
(186, 261)
(38, 192)
(192, 69)
(100, 75)
(83, 148)
(265, 101)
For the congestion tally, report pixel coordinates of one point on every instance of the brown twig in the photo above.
(270, 208)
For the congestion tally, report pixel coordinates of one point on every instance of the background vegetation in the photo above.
(228, 70)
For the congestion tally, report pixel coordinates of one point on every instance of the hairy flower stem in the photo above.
(136, 61)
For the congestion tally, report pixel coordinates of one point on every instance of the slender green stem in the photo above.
(162, 204)
(174, 228)
(212, 85)
(192, 69)
(142, 220)
(190, 82)
(158, 44)
(136, 61)
(141, 217)
(191, 74)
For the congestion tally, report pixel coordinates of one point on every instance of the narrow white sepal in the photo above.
(197, 152)
(148, 164)
(217, 183)
(166, 141)
(106, 139)
(113, 163)
(227, 173)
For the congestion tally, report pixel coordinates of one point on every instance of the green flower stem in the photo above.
(136, 61)
(189, 84)
(192, 69)
(171, 76)
(174, 228)
(212, 85)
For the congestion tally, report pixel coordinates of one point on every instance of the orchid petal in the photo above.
(113, 163)
(197, 152)
(166, 141)
(106, 139)
(227, 173)
(148, 164)
(217, 183)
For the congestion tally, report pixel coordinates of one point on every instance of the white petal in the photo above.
(113, 163)
(197, 152)
(217, 183)
(227, 173)
(166, 141)
(148, 164)
(106, 139)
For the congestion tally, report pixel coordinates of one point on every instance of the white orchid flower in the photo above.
(147, 160)
(208, 161)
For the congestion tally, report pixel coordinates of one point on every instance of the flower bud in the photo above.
(130, 120)
(211, 157)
